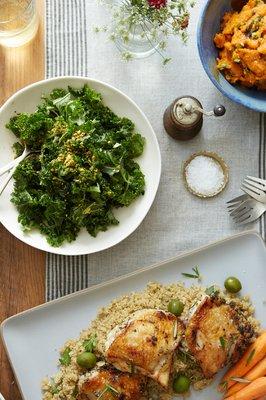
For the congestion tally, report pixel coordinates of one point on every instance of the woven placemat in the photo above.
(177, 221)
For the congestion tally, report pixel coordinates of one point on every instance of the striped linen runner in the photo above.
(176, 221)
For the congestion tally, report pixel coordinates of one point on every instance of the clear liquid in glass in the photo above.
(18, 22)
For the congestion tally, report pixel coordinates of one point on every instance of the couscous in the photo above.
(71, 380)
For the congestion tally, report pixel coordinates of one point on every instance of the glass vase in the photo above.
(137, 40)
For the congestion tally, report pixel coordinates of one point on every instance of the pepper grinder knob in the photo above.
(219, 110)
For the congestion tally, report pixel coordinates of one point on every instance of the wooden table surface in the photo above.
(22, 268)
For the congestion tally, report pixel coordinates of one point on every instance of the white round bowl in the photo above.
(26, 100)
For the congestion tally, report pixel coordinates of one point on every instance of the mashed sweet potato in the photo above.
(242, 44)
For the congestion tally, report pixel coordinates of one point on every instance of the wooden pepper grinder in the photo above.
(183, 119)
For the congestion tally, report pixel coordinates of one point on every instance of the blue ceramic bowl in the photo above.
(208, 26)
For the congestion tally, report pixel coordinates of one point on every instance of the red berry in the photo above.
(157, 3)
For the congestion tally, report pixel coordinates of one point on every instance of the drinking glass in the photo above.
(18, 22)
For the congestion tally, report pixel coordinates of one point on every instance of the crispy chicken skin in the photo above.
(109, 384)
(145, 343)
(216, 334)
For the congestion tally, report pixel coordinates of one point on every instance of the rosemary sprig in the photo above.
(239, 380)
(132, 368)
(223, 342)
(224, 386)
(109, 389)
(212, 291)
(250, 357)
(184, 356)
(196, 274)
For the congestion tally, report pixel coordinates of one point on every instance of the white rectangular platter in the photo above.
(33, 338)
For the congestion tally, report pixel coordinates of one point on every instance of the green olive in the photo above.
(176, 307)
(232, 284)
(86, 360)
(181, 384)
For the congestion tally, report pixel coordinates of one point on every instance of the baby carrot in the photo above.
(257, 371)
(252, 391)
(255, 353)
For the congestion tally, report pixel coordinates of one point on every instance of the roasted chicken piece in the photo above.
(108, 383)
(216, 333)
(145, 343)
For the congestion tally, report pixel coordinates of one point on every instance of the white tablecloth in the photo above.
(177, 221)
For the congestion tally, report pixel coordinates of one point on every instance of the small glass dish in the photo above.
(217, 159)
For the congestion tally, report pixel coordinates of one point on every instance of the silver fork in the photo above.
(247, 211)
(232, 204)
(14, 162)
(11, 167)
(255, 187)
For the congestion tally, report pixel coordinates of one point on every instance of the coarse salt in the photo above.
(204, 175)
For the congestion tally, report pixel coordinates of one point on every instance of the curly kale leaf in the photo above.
(84, 167)
(30, 128)
(17, 149)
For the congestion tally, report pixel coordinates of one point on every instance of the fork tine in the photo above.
(237, 212)
(238, 209)
(230, 209)
(256, 185)
(244, 218)
(252, 186)
(255, 211)
(241, 213)
(234, 205)
(259, 180)
(252, 191)
(237, 199)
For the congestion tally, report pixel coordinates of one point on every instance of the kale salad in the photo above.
(81, 167)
